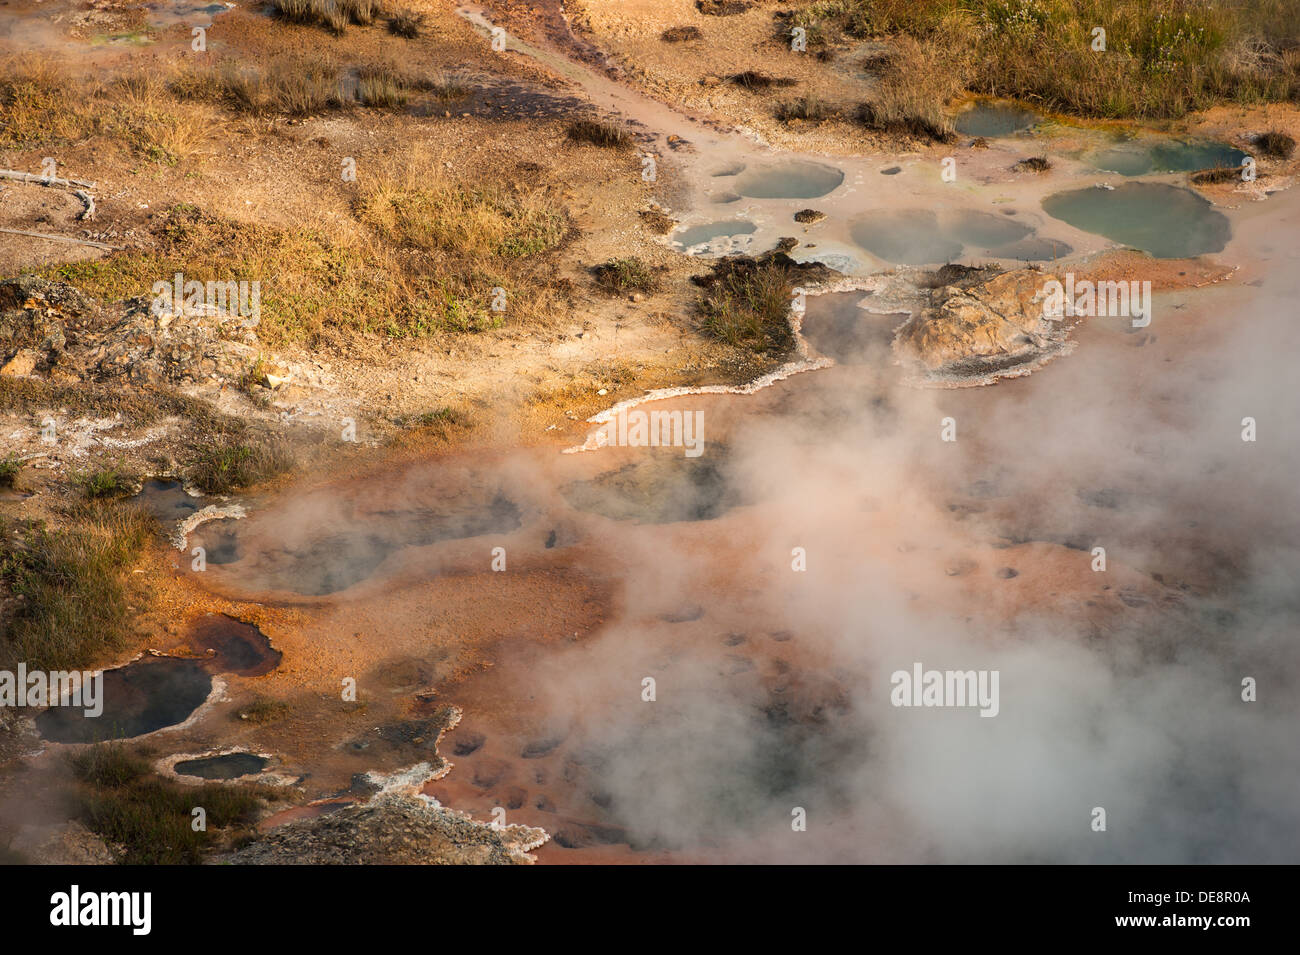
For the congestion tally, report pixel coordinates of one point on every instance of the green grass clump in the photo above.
(106, 483)
(328, 289)
(74, 610)
(625, 275)
(38, 103)
(439, 418)
(146, 820)
(10, 465)
(748, 305)
(262, 711)
(238, 462)
(108, 765)
(475, 223)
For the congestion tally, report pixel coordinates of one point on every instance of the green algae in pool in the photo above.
(147, 695)
(796, 179)
(993, 120)
(659, 488)
(225, 766)
(695, 235)
(1137, 157)
(1166, 221)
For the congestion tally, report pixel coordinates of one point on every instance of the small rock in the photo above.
(962, 565)
(21, 365)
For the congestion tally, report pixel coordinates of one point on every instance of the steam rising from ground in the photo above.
(1133, 444)
(1119, 690)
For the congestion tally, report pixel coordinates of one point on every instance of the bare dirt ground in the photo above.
(284, 174)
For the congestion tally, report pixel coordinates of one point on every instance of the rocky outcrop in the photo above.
(977, 328)
(68, 843)
(51, 328)
(175, 345)
(22, 364)
(396, 826)
(36, 318)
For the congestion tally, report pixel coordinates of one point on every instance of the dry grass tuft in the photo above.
(599, 133)
(382, 86)
(1209, 177)
(1033, 164)
(807, 108)
(680, 34)
(406, 23)
(1163, 58)
(758, 80)
(1275, 144)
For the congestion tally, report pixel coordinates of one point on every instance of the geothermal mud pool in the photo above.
(226, 766)
(654, 656)
(139, 698)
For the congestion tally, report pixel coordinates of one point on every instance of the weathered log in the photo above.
(60, 238)
(43, 180)
(89, 201)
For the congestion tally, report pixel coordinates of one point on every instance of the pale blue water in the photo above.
(993, 120)
(1166, 221)
(795, 179)
(711, 230)
(1139, 157)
